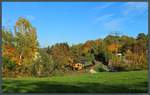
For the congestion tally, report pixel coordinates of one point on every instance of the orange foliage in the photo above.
(10, 52)
(113, 47)
(89, 44)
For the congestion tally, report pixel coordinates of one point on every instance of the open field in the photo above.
(102, 82)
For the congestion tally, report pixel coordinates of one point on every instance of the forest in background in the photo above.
(22, 56)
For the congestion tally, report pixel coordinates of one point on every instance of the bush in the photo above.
(100, 67)
(119, 67)
(43, 66)
(8, 67)
(136, 61)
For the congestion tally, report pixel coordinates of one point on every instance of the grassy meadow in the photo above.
(102, 82)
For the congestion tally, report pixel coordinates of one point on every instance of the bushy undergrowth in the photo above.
(100, 67)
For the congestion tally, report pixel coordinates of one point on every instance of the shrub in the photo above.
(8, 67)
(100, 67)
(136, 61)
(43, 66)
(119, 67)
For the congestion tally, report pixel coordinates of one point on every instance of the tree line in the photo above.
(22, 56)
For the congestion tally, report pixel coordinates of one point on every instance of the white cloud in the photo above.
(104, 18)
(102, 6)
(114, 22)
(135, 8)
(113, 25)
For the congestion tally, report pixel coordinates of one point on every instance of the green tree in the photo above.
(127, 43)
(44, 65)
(142, 42)
(7, 37)
(76, 52)
(26, 41)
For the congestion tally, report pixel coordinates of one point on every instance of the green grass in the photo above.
(102, 82)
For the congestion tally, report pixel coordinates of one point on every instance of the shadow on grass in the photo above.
(55, 87)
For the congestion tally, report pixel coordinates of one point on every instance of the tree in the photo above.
(7, 37)
(142, 42)
(26, 41)
(76, 52)
(8, 45)
(102, 55)
(141, 36)
(60, 54)
(110, 39)
(127, 43)
(44, 65)
(113, 48)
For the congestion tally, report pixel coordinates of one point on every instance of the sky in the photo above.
(77, 22)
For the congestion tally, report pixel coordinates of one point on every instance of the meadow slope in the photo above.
(102, 82)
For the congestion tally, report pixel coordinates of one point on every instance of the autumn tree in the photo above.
(60, 53)
(127, 43)
(8, 52)
(8, 44)
(142, 42)
(26, 41)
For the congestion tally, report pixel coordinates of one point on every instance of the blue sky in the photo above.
(77, 22)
